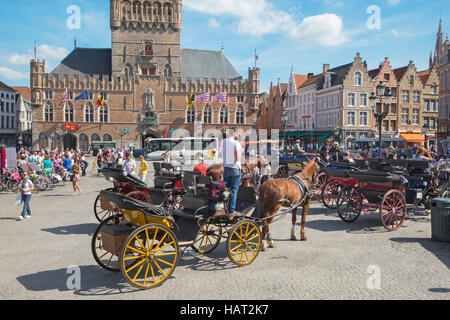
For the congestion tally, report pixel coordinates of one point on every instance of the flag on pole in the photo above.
(83, 96)
(221, 97)
(64, 99)
(100, 100)
(35, 50)
(190, 100)
(257, 58)
(203, 98)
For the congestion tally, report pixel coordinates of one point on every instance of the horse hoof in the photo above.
(304, 239)
(264, 248)
(272, 244)
(293, 238)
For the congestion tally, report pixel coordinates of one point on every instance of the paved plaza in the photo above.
(339, 261)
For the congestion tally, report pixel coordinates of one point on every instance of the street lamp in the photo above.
(381, 93)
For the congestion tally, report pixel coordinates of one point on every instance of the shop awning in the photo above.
(412, 137)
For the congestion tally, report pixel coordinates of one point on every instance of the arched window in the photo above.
(137, 10)
(207, 114)
(190, 115)
(103, 114)
(95, 137)
(43, 141)
(147, 10)
(126, 10)
(240, 115)
(107, 137)
(358, 79)
(48, 112)
(223, 115)
(69, 112)
(89, 113)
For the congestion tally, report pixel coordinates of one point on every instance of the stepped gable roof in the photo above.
(85, 61)
(399, 73)
(207, 64)
(24, 92)
(337, 76)
(424, 75)
(5, 87)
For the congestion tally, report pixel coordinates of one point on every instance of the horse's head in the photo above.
(311, 170)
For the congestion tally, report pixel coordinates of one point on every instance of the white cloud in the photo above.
(44, 52)
(393, 2)
(394, 32)
(213, 23)
(259, 17)
(48, 52)
(9, 74)
(17, 59)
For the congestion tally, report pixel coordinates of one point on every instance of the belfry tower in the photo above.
(146, 38)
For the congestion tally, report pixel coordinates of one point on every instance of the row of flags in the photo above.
(205, 97)
(83, 96)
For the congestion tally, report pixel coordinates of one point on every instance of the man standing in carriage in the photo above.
(232, 155)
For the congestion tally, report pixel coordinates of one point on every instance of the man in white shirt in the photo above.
(232, 155)
(130, 165)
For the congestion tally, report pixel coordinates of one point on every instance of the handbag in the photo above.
(19, 198)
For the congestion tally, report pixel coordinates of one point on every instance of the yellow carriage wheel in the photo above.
(244, 243)
(153, 251)
(208, 238)
(105, 259)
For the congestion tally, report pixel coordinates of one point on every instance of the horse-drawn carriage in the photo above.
(393, 187)
(144, 241)
(334, 178)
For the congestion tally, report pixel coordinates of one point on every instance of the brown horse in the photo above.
(278, 193)
(250, 173)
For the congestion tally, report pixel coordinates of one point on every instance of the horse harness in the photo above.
(305, 190)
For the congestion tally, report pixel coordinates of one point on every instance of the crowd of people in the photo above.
(123, 159)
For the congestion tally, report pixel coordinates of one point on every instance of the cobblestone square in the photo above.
(339, 261)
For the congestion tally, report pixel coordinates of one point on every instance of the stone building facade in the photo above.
(430, 102)
(442, 59)
(409, 101)
(145, 79)
(8, 116)
(385, 74)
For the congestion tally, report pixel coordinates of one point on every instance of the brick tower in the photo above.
(146, 38)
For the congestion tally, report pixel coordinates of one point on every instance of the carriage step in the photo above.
(185, 243)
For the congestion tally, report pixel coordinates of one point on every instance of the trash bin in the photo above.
(440, 220)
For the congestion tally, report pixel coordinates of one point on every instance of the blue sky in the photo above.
(285, 33)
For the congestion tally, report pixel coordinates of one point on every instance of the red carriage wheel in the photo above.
(393, 210)
(139, 195)
(330, 194)
(322, 179)
(350, 204)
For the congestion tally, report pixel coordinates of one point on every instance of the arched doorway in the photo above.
(69, 141)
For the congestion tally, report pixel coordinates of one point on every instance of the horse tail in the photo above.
(270, 196)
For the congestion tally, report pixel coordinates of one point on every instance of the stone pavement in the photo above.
(339, 261)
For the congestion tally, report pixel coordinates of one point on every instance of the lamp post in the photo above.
(381, 93)
(284, 118)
